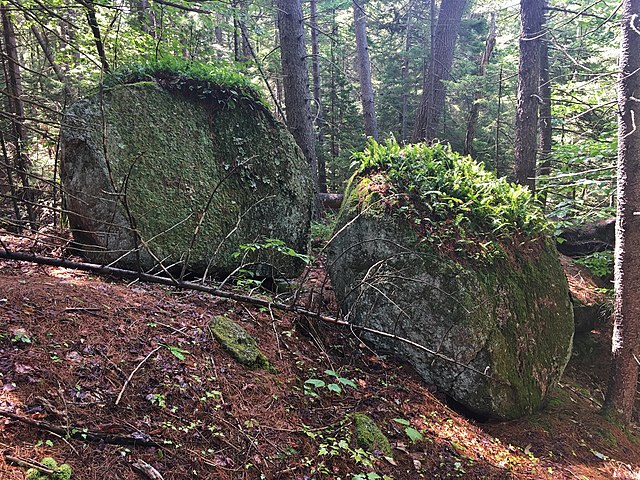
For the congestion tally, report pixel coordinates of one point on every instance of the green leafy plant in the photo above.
(413, 434)
(177, 352)
(600, 263)
(312, 385)
(273, 245)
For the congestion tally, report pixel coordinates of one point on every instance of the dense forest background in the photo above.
(57, 51)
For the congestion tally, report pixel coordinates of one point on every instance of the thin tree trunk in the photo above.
(315, 70)
(364, 70)
(531, 34)
(472, 120)
(44, 45)
(95, 30)
(219, 41)
(623, 376)
(296, 80)
(546, 132)
(442, 49)
(13, 77)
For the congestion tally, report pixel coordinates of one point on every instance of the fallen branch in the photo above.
(79, 433)
(147, 470)
(261, 302)
(25, 463)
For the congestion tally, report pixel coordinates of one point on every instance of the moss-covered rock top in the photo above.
(445, 196)
(218, 83)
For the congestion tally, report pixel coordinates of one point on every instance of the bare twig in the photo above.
(133, 372)
(25, 463)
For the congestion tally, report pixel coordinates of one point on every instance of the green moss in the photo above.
(60, 472)
(368, 435)
(219, 82)
(238, 343)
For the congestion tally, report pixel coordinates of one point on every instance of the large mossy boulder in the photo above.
(433, 249)
(164, 170)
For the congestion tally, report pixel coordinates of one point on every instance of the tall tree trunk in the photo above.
(404, 108)
(531, 35)
(546, 132)
(497, 160)
(364, 70)
(13, 77)
(442, 49)
(472, 120)
(296, 79)
(315, 71)
(623, 376)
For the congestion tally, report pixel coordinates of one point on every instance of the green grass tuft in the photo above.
(216, 81)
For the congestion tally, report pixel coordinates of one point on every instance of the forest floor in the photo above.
(89, 364)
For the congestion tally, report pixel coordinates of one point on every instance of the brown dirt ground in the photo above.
(70, 340)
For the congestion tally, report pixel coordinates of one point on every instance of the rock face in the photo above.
(510, 322)
(158, 177)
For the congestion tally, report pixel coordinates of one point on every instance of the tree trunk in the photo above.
(531, 34)
(472, 120)
(364, 70)
(546, 132)
(296, 79)
(404, 108)
(433, 89)
(623, 375)
(95, 30)
(498, 161)
(13, 78)
(315, 70)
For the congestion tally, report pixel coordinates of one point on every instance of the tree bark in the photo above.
(404, 108)
(474, 111)
(364, 70)
(95, 30)
(13, 78)
(296, 79)
(442, 49)
(531, 34)
(546, 132)
(623, 375)
(315, 71)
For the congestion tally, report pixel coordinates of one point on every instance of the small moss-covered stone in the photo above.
(240, 345)
(368, 435)
(60, 472)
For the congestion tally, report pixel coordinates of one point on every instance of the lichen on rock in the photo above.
(493, 303)
(157, 176)
(238, 343)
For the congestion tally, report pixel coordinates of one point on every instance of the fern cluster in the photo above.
(444, 187)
